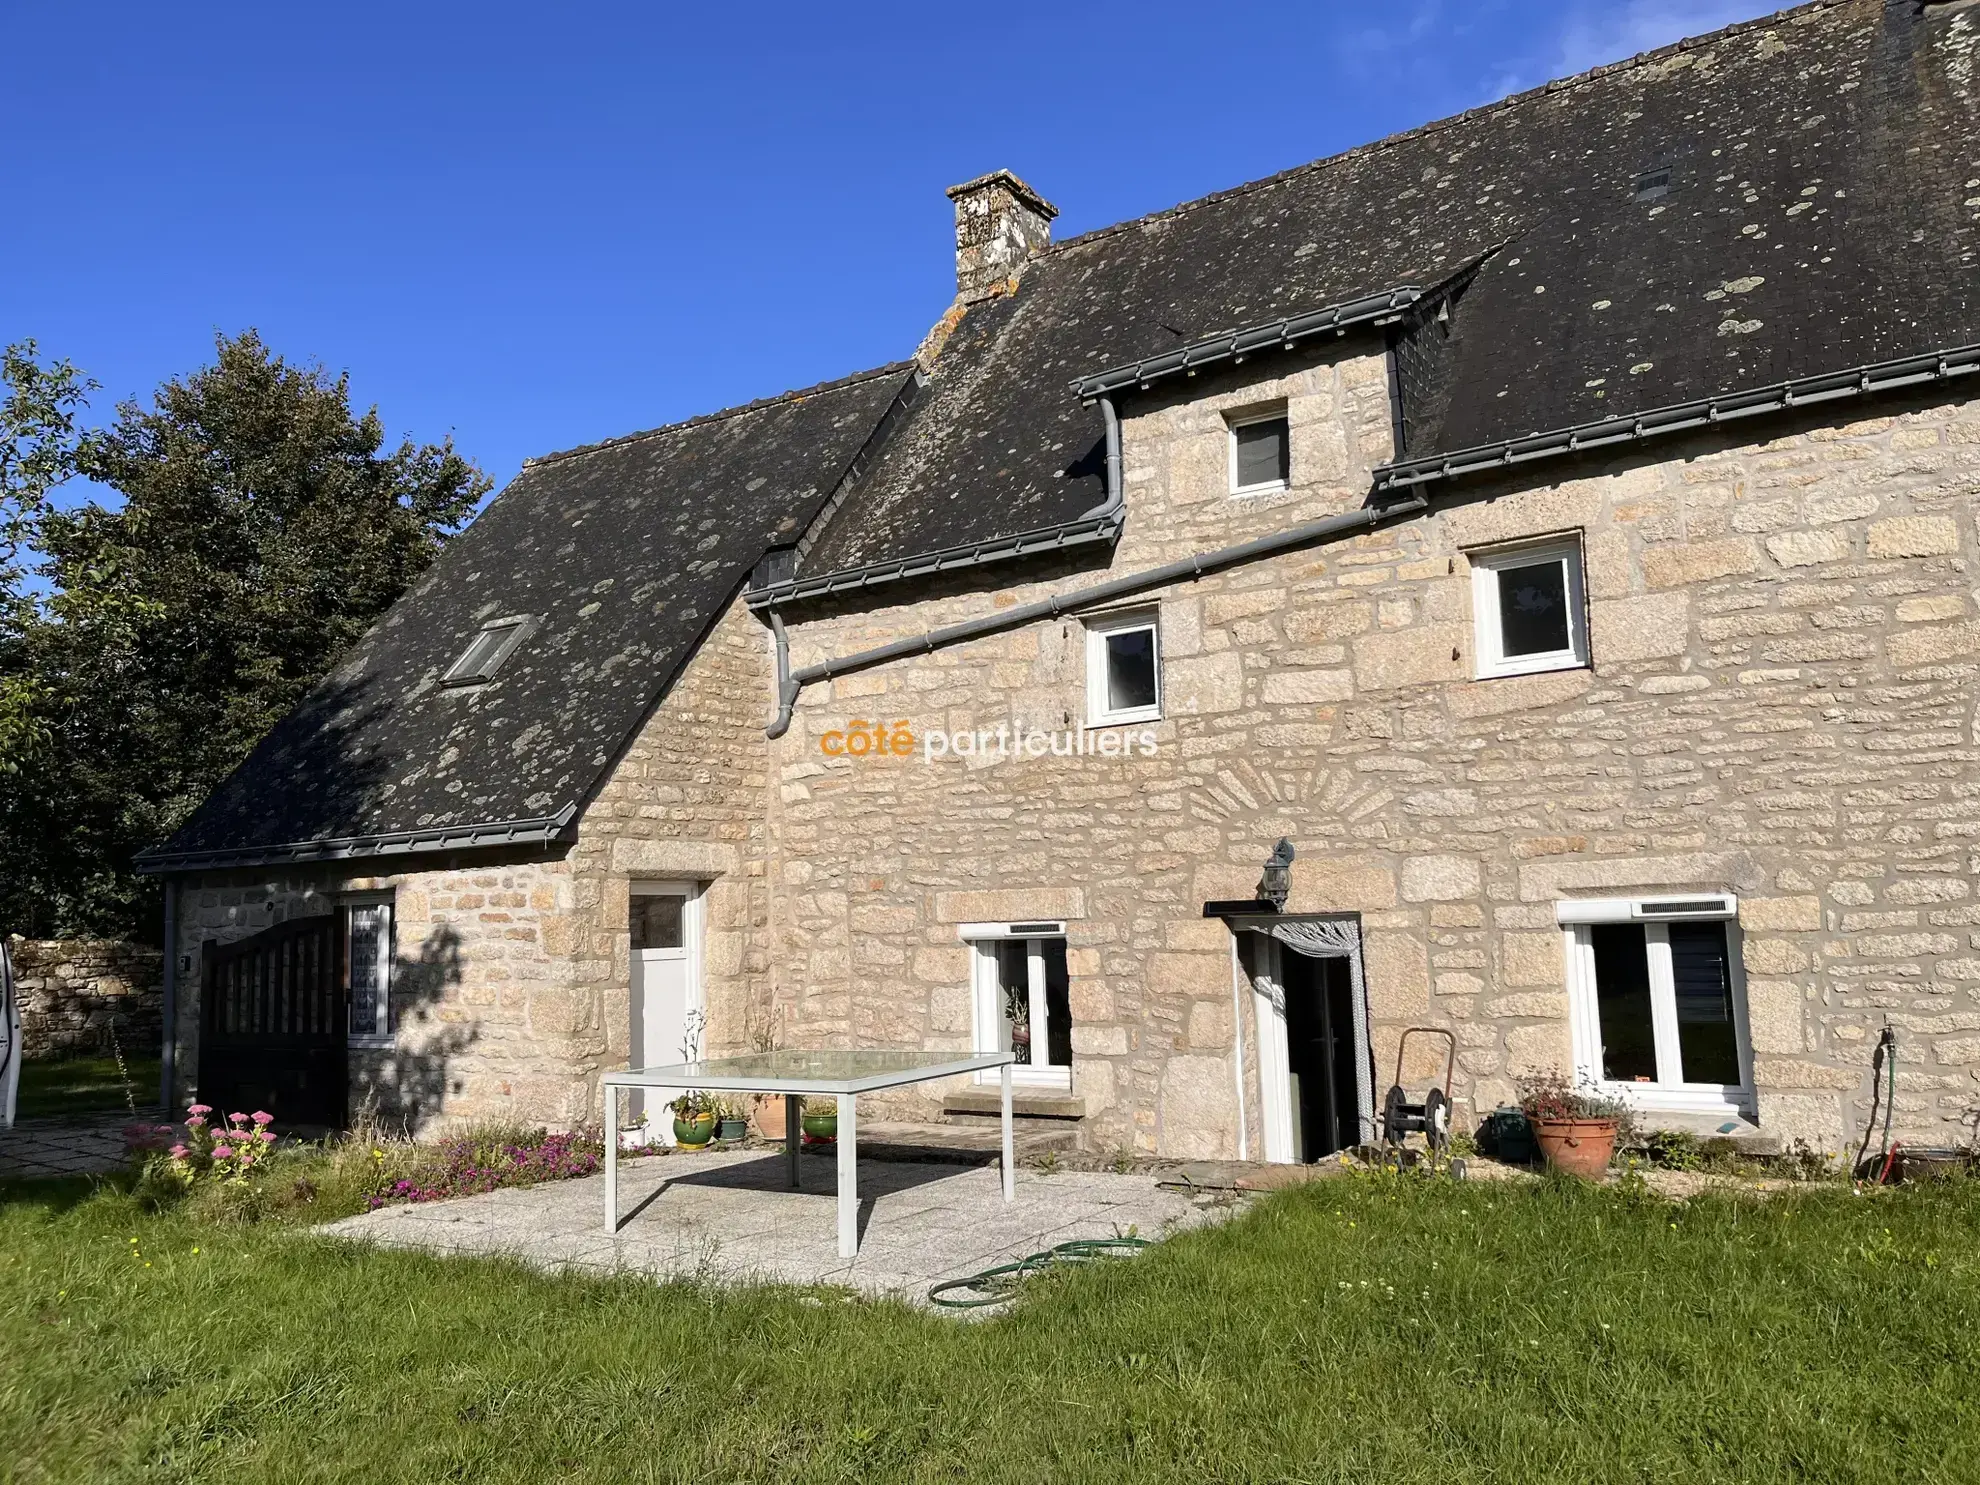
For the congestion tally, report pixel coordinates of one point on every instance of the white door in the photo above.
(663, 919)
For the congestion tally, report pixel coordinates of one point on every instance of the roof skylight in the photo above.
(491, 645)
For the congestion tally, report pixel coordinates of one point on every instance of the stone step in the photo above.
(963, 1144)
(1721, 1131)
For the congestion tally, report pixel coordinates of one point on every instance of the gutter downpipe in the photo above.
(167, 1052)
(791, 683)
(789, 686)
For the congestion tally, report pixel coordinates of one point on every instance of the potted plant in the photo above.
(729, 1121)
(820, 1118)
(694, 1119)
(769, 1110)
(1575, 1126)
(1017, 1011)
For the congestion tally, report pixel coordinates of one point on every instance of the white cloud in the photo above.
(1597, 31)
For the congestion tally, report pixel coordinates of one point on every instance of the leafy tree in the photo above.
(263, 528)
(39, 444)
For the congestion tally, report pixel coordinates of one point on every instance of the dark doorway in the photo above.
(1320, 1054)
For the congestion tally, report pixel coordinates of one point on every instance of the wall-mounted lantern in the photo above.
(1276, 884)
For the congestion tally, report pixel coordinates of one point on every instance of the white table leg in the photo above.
(848, 1175)
(793, 1137)
(611, 1159)
(1010, 1172)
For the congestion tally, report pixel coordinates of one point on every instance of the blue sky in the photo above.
(536, 226)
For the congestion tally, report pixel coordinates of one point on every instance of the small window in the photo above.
(1021, 991)
(1653, 185)
(485, 653)
(1261, 454)
(1657, 1006)
(1528, 608)
(368, 965)
(1123, 669)
(658, 922)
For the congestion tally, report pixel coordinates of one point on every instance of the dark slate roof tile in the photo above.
(1820, 164)
(627, 552)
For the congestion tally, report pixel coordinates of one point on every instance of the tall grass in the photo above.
(1380, 1329)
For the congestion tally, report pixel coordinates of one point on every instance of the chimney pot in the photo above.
(1000, 223)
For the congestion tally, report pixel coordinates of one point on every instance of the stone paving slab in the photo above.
(76, 1146)
(728, 1217)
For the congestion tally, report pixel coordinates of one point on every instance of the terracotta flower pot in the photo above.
(693, 1133)
(1581, 1147)
(769, 1115)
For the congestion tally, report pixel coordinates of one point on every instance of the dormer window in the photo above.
(1261, 453)
(493, 644)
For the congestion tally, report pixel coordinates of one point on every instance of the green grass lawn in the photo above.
(83, 1085)
(1376, 1329)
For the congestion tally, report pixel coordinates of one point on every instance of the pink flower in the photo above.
(178, 1152)
(266, 1136)
(237, 1118)
(199, 1108)
(263, 1119)
(223, 1152)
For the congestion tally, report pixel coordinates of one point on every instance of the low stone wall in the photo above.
(71, 989)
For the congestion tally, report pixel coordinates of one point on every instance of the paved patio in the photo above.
(727, 1216)
(86, 1144)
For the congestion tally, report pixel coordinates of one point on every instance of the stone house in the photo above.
(1556, 523)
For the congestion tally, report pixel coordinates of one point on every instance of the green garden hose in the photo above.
(1000, 1283)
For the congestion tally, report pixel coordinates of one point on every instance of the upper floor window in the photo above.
(1261, 453)
(1123, 669)
(1528, 608)
(494, 643)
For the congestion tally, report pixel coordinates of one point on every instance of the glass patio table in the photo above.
(843, 1074)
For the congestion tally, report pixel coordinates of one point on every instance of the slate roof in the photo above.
(625, 551)
(1821, 214)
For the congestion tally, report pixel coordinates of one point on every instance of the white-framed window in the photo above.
(492, 644)
(1261, 452)
(1657, 1000)
(1123, 668)
(368, 970)
(1529, 608)
(1019, 991)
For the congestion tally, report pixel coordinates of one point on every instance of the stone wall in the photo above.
(1780, 704)
(483, 1015)
(511, 979)
(72, 991)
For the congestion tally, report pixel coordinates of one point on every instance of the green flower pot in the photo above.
(821, 1126)
(694, 1133)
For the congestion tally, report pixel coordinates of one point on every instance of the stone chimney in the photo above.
(1000, 223)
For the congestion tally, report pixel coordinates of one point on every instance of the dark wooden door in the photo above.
(273, 1014)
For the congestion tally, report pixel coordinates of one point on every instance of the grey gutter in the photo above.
(1083, 531)
(1683, 417)
(1100, 524)
(540, 830)
(1235, 345)
(1084, 598)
